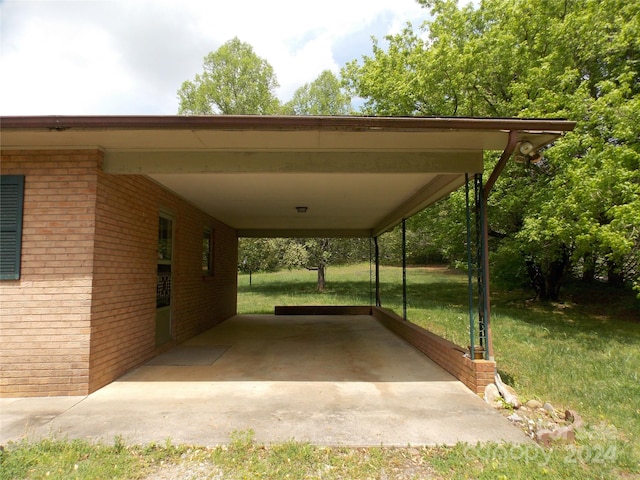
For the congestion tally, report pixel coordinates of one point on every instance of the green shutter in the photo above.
(11, 199)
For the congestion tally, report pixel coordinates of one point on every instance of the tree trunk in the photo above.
(322, 263)
(555, 275)
(615, 278)
(537, 279)
(589, 268)
(547, 283)
(321, 281)
(249, 278)
(553, 279)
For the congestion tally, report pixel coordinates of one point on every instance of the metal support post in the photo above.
(377, 257)
(370, 271)
(488, 341)
(482, 259)
(470, 270)
(404, 269)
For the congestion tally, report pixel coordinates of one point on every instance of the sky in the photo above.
(130, 57)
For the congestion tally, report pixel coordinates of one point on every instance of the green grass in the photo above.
(582, 354)
(77, 459)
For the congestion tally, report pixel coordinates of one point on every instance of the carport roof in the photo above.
(356, 176)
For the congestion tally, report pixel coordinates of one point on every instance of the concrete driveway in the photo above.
(327, 380)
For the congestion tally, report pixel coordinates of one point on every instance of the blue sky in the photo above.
(83, 57)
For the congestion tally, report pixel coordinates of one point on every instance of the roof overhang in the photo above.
(357, 176)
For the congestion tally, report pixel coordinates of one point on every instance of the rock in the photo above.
(515, 418)
(508, 393)
(492, 396)
(559, 435)
(533, 404)
(575, 419)
(549, 409)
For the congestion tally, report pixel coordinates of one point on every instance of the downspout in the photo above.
(506, 154)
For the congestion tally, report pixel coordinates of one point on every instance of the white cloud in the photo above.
(131, 56)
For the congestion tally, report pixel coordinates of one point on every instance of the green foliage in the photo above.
(235, 81)
(422, 248)
(262, 255)
(507, 269)
(323, 96)
(532, 58)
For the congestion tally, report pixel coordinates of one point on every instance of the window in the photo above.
(11, 200)
(207, 252)
(165, 238)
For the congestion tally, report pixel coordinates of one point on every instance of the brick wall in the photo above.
(201, 302)
(124, 307)
(45, 316)
(83, 312)
(475, 374)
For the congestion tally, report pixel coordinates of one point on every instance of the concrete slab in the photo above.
(21, 417)
(327, 380)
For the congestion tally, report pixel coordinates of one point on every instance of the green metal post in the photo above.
(404, 268)
(470, 271)
(370, 271)
(377, 255)
(482, 263)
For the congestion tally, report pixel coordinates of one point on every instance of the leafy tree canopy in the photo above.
(577, 209)
(323, 96)
(235, 81)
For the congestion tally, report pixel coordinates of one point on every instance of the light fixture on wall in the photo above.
(302, 209)
(526, 148)
(527, 156)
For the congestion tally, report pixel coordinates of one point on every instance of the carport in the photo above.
(276, 176)
(252, 176)
(333, 176)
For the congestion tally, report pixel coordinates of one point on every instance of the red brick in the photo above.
(88, 265)
(474, 374)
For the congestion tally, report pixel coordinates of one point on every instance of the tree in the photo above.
(323, 96)
(253, 256)
(235, 81)
(579, 207)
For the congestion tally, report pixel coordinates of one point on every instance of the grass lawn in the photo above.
(582, 354)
